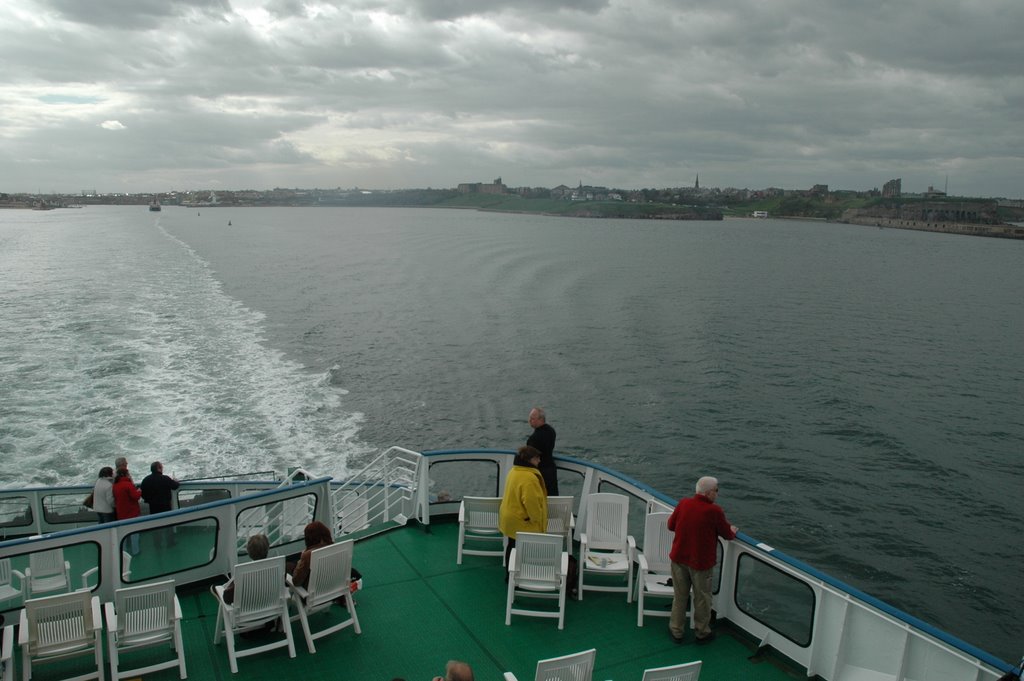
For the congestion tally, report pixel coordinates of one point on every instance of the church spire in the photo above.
(696, 185)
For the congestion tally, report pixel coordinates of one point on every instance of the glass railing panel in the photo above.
(775, 599)
(148, 554)
(452, 480)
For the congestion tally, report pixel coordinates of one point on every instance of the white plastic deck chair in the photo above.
(538, 568)
(575, 667)
(47, 572)
(261, 596)
(141, 617)
(689, 671)
(59, 627)
(7, 579)
(605, 547)
(330, 574)
(560, 519)
(478, 524)
(354, 512)
(653, 579)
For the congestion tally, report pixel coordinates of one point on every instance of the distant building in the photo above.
(496, 187)
(893, 189)
(933, 192)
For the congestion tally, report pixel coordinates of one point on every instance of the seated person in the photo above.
(257, 547)
(316, 536)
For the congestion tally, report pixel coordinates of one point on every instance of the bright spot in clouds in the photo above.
(112, 125)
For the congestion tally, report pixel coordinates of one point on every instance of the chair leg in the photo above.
(112, 652)
(98, 646)
(304, 621)
(350, 603)
(287, 624)
(511, 597)
(179, 649)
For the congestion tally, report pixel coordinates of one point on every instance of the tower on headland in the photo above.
(696, 183)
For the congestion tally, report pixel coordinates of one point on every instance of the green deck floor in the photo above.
(419, 609)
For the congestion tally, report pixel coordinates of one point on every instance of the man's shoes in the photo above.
(677, 639)
(701, 640)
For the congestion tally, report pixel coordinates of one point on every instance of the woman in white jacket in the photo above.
(103, 495)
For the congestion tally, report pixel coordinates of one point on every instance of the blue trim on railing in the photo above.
(924, 627)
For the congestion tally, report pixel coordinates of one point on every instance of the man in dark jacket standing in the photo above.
(543, 440)
(697, 522)
(156, 491)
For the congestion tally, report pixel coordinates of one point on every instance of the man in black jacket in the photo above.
(156, 491)
(543, 439)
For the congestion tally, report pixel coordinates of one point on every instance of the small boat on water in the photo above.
(428, 596)
(154, 205)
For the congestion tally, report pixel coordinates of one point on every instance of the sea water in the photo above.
(857, 391)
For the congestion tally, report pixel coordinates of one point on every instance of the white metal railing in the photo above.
(382, 493)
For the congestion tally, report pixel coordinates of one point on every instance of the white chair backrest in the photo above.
(259, 589)
(45, 564)
(679, 672)
(481, 513)
(56, 623)
(658, 543)
(607, 518)
(575, 667)
(7, 590)
(560, 515)
(144, 610)
(538, 556)
(330, 572)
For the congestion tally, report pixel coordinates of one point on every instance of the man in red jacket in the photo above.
(697, 523)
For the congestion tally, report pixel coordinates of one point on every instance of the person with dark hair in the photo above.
(157, 489)
(543, 440)
(126, 502)
(524, 506)
(103, 495)
(158, 492)
(316, 535)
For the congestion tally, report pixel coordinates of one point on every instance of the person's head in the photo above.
(527, 456)
(156, 467)
(120, 463)
(708, 486)
(456, 670)
(122, 473)
(258, 546)
(316, 533)
(537, 417)
(106, 472)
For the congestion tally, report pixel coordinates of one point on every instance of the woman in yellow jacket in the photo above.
(524, 508)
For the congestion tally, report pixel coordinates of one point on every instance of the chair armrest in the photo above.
(97, 617)
(23, 628)
(22, 583)
(177, 608)
(511, 559)
(509, 676)
(87, 574)
(462, 512)
(111, 616)
(631, 543)
(565, 563)
(642, 560)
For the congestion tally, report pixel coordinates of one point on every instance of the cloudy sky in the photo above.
(161, 95)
